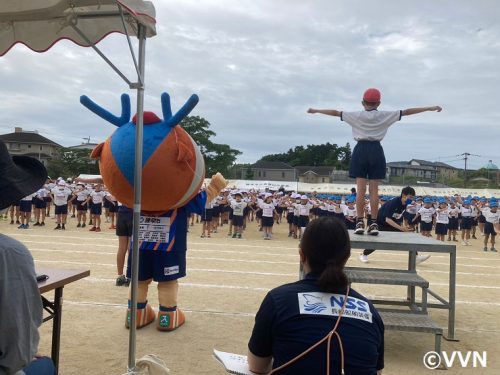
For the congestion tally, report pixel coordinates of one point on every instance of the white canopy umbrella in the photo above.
(39, 24)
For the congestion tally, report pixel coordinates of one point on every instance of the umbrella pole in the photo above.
(137, 198)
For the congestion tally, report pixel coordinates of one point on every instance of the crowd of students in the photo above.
(78, 200)
(445, 216)
(452, 218)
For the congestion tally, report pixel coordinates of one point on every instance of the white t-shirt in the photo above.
(28, 197)
(491, 217)
(426, 214)
(466, 211)
(42, 193)
(267, 209)
(454, 212)
(61, 195)
(238, 208)
(350, 212)
(82, 195)
(442, 216)
(370, 125)
(304, 209)
(97, 196)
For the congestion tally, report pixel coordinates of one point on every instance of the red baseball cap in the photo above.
(371, 96)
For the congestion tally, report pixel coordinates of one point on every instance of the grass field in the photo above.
(227, 279)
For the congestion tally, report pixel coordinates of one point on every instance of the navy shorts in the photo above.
(453, 224)
(267, 221)
(368, 161)
(96, 209)
(481, 219)
(289, 217)
(216, 211)
(237, 220)
(207, 215)
(425, 227)
(159, 265)
(80, 206)
(61, 210)
(441, 228)
(113, 207)
(40, 203)
(303, 221)
(489, 228)
(124, 223)
(466, 223)
(25, 206)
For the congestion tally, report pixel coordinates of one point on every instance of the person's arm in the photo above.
(395, 225)
(414, 111)
(97, 180)
(259, 365)
(329, 112)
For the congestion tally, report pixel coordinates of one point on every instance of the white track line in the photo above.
(258, 289)
(246, 314)
(247, 272)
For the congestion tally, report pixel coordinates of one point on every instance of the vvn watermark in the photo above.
(472, 359)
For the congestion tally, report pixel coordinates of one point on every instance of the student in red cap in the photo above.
(368, 160)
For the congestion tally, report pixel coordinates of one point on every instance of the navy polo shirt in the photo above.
(295, 316)
(392, 209)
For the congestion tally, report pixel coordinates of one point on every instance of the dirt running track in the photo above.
(227, 279)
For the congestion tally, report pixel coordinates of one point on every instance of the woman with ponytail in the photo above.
(318, 325)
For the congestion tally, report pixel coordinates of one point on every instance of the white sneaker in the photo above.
(467, 243)
(363, 258)
(464, 243)
(422, 258)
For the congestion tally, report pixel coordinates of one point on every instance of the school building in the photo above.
(30, 143)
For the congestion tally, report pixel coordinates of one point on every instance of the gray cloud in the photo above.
(258, 65)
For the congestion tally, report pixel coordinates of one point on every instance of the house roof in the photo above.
(436, 164)
(27, 137)
(85, 146)
(320, 171)
(271, 165)
(409, 166)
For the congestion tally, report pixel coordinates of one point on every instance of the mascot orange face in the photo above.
(173, 167)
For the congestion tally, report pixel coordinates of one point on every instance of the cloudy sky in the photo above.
(258, 65)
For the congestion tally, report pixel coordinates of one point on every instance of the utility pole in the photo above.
(466, 156)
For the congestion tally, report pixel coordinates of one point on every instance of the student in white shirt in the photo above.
(40, 206)
(350, 214)
(60, 196)
(466, 221)
(369, 127)
(268, 211)
(304, 212)
(97, 196)
(25, 206)
(453, 223)
(80, 196)
(426, 215)
(442, 220)
(238, 207)
(491, 225)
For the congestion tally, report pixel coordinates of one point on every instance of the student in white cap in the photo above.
(60, 195)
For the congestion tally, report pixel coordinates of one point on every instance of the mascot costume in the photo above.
(173, 172)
